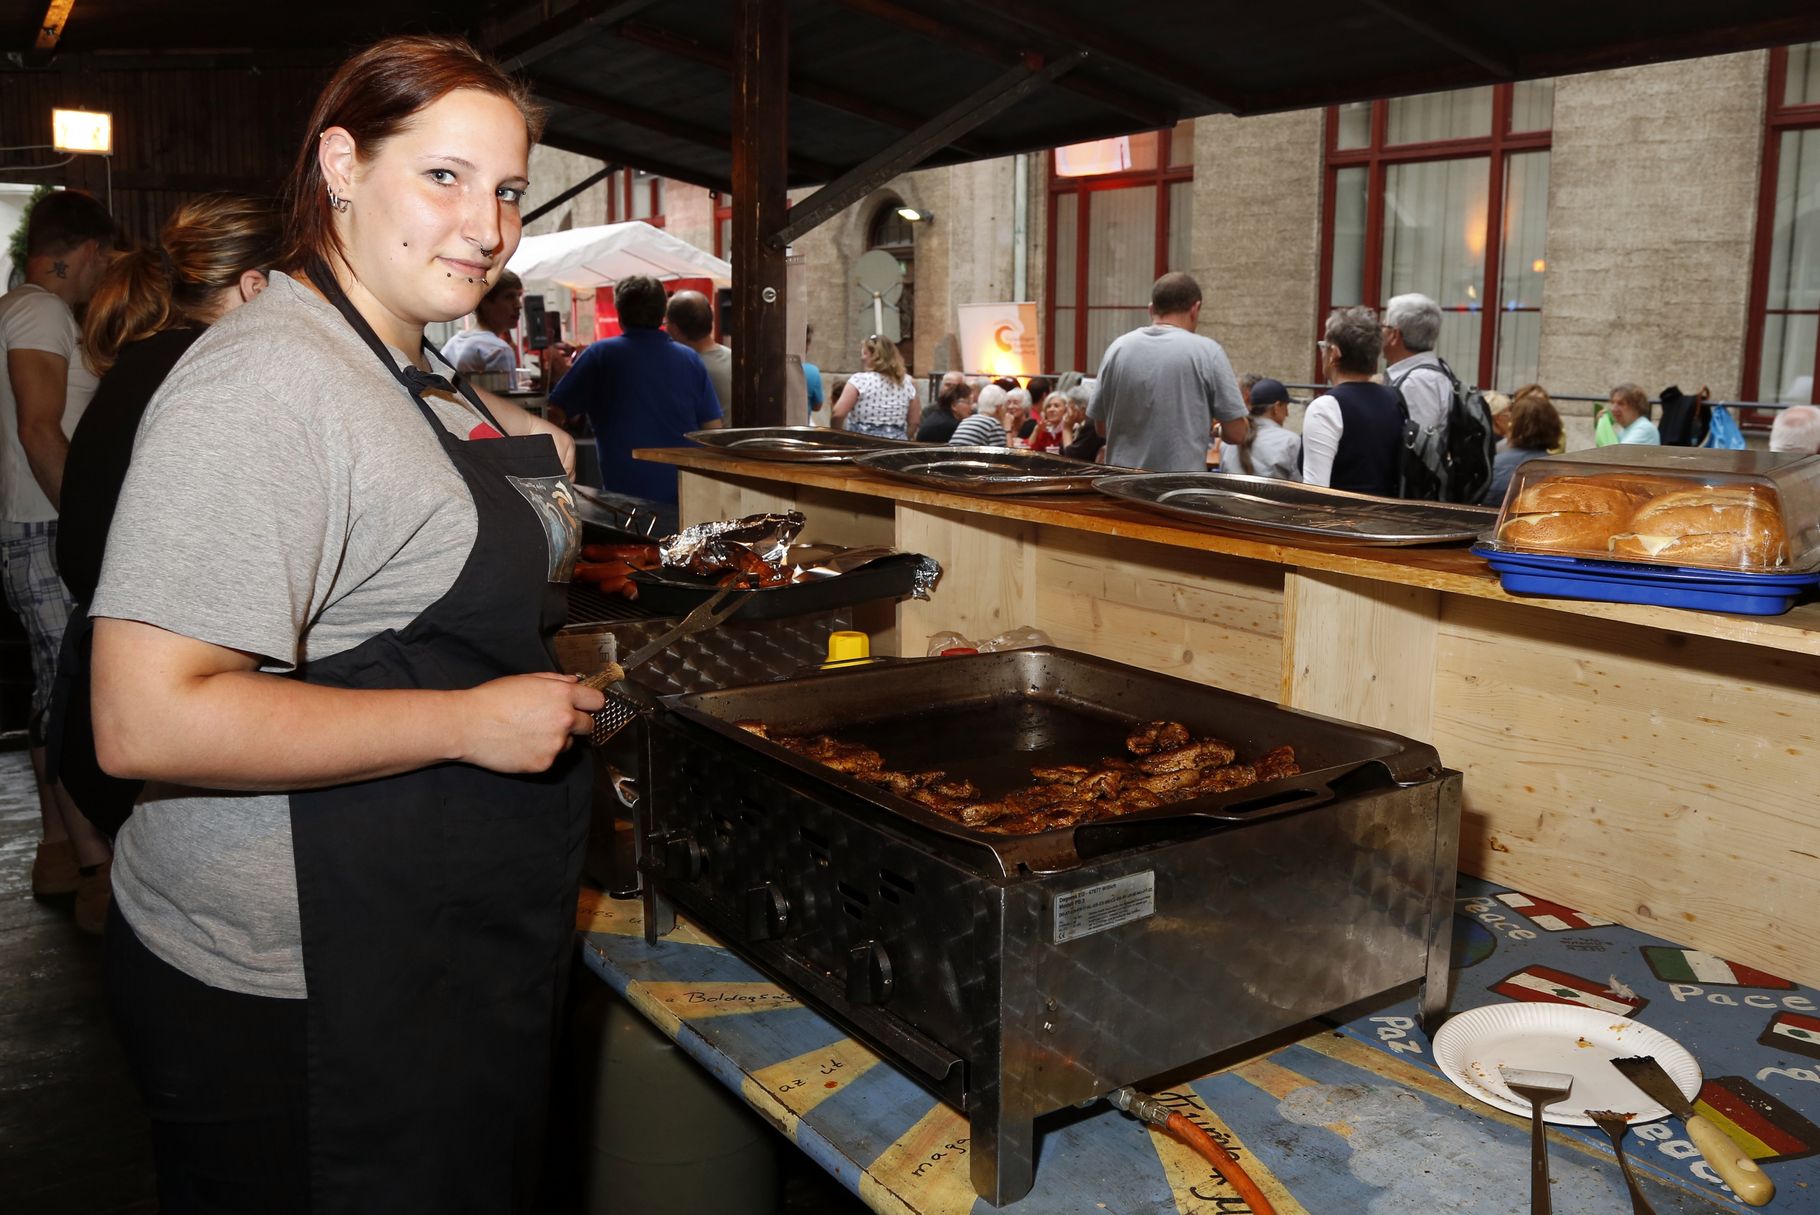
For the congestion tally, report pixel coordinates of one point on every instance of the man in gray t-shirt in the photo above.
(1160, 387)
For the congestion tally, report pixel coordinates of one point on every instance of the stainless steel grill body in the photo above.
(976, 963)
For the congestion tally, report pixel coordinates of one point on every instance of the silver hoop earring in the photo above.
(337, 203)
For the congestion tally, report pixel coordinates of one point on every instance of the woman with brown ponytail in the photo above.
(211, 257)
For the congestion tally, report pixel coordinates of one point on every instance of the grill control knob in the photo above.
(767, 913)
(681, 857)
(869, 974)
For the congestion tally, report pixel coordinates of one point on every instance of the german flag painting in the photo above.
(1764, 1127)
(1793, 1031)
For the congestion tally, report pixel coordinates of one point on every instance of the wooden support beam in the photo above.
(658, 121)
(56, 15)
(1189, 82)
(761, 155)
(982, 106)
(611, 154)
(1447, 32)
(991, 49)
(574, 24)
(682, 46)
(544, 208)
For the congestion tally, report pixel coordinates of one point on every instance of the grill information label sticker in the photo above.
(1091, 909)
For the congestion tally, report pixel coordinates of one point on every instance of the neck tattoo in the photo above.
(60, 269)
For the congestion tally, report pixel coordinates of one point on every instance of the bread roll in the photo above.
(1570, 530)
(1640, 486)
(1729, 528)
(1578, 495)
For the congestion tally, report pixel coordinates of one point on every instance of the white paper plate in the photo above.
(1559, 1038)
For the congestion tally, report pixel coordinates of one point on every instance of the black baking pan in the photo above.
(668, 592)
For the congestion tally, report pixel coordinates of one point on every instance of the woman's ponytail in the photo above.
(132, 301)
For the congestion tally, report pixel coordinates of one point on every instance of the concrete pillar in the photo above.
(1653, 183)
(1257, 238)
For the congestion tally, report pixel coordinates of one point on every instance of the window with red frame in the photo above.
(723, 225)
(1119, 218)
(1447, 195)
(636, 194)
(1782, 351)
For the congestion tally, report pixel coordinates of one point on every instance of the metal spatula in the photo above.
(1540, 1089)
(1730, 1161)
(624, 701)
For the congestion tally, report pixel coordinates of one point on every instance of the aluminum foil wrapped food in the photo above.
(928, 573)
(756, 545)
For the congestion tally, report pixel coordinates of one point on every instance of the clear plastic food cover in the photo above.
(1742, 511)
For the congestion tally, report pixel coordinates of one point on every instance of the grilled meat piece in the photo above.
(1154, 736)
(899, 783)
(753, 726)
(1207, 753)
(1102, 782)
(1278, 763)
(1061, 774)
(964, 790)
(1170, 782)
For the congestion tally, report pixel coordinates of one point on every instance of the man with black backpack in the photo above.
(1448, 440)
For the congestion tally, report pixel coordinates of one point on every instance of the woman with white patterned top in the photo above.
(881, 400)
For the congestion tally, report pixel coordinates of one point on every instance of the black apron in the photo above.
(438, 906)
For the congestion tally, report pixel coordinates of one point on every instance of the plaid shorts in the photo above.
(28, 564)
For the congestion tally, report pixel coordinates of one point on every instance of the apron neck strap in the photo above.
(413, 378)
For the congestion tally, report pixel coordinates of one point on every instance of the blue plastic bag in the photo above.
(1722, 430)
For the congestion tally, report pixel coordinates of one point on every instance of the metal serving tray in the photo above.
(796, 444)
(989, 470)
(1272, 510)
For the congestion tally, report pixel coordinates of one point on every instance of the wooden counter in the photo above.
(1652, 765)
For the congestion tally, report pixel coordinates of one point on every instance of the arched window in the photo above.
(897, 236)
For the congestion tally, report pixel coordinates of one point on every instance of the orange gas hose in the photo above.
(1222, 1160)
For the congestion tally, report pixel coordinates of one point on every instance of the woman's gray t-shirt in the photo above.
(285, 499)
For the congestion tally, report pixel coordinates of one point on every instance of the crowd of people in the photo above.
(1166, 400)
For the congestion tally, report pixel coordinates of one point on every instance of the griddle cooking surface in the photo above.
(995, 745)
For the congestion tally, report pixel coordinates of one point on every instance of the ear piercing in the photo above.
(337, 203)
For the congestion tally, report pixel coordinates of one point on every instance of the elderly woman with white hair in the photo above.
(1796, 428)
(983, 429)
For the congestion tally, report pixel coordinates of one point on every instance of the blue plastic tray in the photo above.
(1668, 586)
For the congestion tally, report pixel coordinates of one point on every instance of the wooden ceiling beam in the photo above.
(572, 25)
(984, 104)
(918, 22)
(1448, 33)
(1204, 95)
(638, 160)
(56, 16)
(658, 121)
(682, 46)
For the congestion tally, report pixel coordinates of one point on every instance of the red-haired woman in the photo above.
(345, 900)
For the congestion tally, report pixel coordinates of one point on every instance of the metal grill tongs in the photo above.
(624, 700)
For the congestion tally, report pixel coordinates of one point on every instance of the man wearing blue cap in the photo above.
(1269, 450)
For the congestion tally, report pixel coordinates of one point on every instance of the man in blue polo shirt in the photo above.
(640, 390)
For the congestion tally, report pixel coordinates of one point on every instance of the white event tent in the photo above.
(583, 259)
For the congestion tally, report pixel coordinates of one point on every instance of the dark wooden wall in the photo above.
(179, 129)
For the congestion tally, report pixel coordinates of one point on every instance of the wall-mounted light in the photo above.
(82, 131)
(914, 216)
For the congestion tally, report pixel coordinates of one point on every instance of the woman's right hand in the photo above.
(521, 723)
